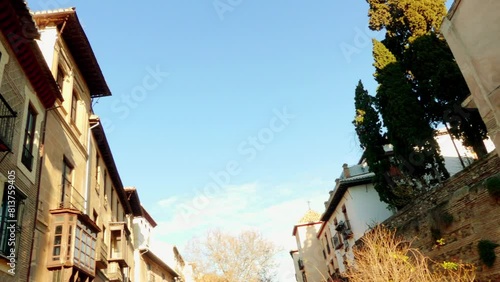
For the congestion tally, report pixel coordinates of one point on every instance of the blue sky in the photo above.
(198, 93)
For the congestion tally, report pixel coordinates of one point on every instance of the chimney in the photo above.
(347, 173)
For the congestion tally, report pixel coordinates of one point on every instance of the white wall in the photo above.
(364, 209)
(311, 252)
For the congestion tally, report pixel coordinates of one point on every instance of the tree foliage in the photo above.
(412, 36)
(223, 257)
(405, 20)
(420, 87)
(369, 130)
(407, 128)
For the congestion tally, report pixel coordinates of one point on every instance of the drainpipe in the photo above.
(94, 121)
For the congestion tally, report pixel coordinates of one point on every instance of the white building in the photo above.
(353, 207)
(308, 259)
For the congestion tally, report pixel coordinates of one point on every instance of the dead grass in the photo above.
(385, 257)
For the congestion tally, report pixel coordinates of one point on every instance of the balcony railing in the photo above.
(7, 124)
(71, 198)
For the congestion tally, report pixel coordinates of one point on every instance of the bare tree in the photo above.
(222, 257)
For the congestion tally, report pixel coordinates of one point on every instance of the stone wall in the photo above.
(475, 216)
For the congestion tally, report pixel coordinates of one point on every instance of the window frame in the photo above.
(29, 137)
(74, 107)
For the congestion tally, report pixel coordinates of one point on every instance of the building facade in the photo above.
(472, 31)
(352, 209)
(27, 91)
(83, 215)
(308, 258)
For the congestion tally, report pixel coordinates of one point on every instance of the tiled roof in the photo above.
(75, 38)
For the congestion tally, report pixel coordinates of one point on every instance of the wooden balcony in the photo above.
(73, 241)
(120, 246)
(102, 254)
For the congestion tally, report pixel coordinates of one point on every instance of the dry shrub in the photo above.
(385, 257)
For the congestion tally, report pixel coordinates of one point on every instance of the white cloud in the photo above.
(239, 207)
(167, 202)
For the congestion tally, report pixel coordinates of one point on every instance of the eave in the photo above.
(20, 32)
(146, 252)
(107, 156)
(148, 217)
(135, 202)
(342, 188)
(304, 224)
(79, 46)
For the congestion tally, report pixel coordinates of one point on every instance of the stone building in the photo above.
(27, 92)
(83, 215)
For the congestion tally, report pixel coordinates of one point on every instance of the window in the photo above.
(119, 243)
(327, 244)
(105, 188)
(73, 243)
(97, 173)
(11, 198)
(29, 138)
(96, 216)
(66, 186)
(347, 223)
(116, 244)
(337, 241)
(7, 125)
(85, 245)
(60, 78)
(117, 209)
(111, 200)
(74, 105)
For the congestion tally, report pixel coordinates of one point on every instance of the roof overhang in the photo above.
(453, 9)
(148, 217)
(146, 252)
(79, 46)
(107, 156)
(295, 228)
(135, 202)
(20, 32)
(341, 189)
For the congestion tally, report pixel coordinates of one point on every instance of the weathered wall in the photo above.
(475, 217)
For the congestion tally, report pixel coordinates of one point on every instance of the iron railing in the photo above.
(7, 124)
(71, 198)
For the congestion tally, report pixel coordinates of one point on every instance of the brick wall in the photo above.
(476, 216)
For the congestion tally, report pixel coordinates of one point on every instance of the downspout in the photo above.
(92, 119)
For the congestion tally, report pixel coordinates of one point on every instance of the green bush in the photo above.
(493, 186)
(486, 250)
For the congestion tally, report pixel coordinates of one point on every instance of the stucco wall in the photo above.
(472, 30)
(311, 252)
